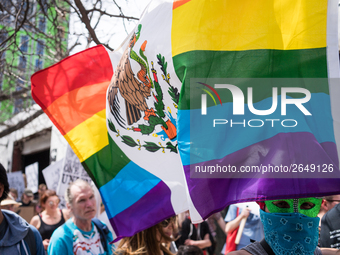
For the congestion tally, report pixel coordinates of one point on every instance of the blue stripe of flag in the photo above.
(207, 142)
(129, 185)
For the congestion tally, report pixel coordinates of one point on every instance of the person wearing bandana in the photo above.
(290, 227)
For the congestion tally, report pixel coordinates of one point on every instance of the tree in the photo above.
(37, 34)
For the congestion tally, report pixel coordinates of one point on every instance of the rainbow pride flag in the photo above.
(73, 94)
(247, 145)
(141, 119)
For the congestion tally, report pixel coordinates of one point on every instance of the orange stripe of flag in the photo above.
(89, 137)
(76, 106)
(178, 3)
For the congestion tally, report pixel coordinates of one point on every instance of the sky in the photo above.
(110, 30)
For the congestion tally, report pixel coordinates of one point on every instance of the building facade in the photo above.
(40, 42)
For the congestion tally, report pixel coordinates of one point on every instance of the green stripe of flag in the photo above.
(308, 63)
(106, 163)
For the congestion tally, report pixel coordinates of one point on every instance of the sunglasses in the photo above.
(333, 200)
(166, 223)
(52, 203)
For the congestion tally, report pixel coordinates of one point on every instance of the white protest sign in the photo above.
(16, 181)
(52, 174)
(32, 176)
(72, 170)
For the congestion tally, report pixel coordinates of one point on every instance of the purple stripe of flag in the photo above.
(276, 150)
(153, 207)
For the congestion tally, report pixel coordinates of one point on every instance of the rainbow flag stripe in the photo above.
(73, 94)
(144, 176)
(273, 40)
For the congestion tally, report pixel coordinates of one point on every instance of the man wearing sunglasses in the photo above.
(330, 223)
(330, 201)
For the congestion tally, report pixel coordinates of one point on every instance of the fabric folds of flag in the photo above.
(252, 43)
(73, 94)
(135, 116)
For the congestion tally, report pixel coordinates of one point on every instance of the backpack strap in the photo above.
(266, 247)
(30, 240)
(103, 231)
(199, 231)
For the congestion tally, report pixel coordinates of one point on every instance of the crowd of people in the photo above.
(287, 226)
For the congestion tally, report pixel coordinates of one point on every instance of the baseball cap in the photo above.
(28, 192)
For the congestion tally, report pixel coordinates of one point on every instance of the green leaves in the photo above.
(173, 92)
(152, 147)
(162, 63)
(112, 126)
(170, 146)
(159, 106)
(129, 141)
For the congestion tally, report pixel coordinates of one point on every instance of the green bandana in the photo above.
(309, 206)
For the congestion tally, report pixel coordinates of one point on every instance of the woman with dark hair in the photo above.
(50, 218)
(150, 241)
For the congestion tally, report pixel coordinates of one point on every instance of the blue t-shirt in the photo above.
(253, 228)
(68, 239)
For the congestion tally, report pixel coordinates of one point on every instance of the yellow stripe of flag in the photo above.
(89, 137)
(262, 24)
